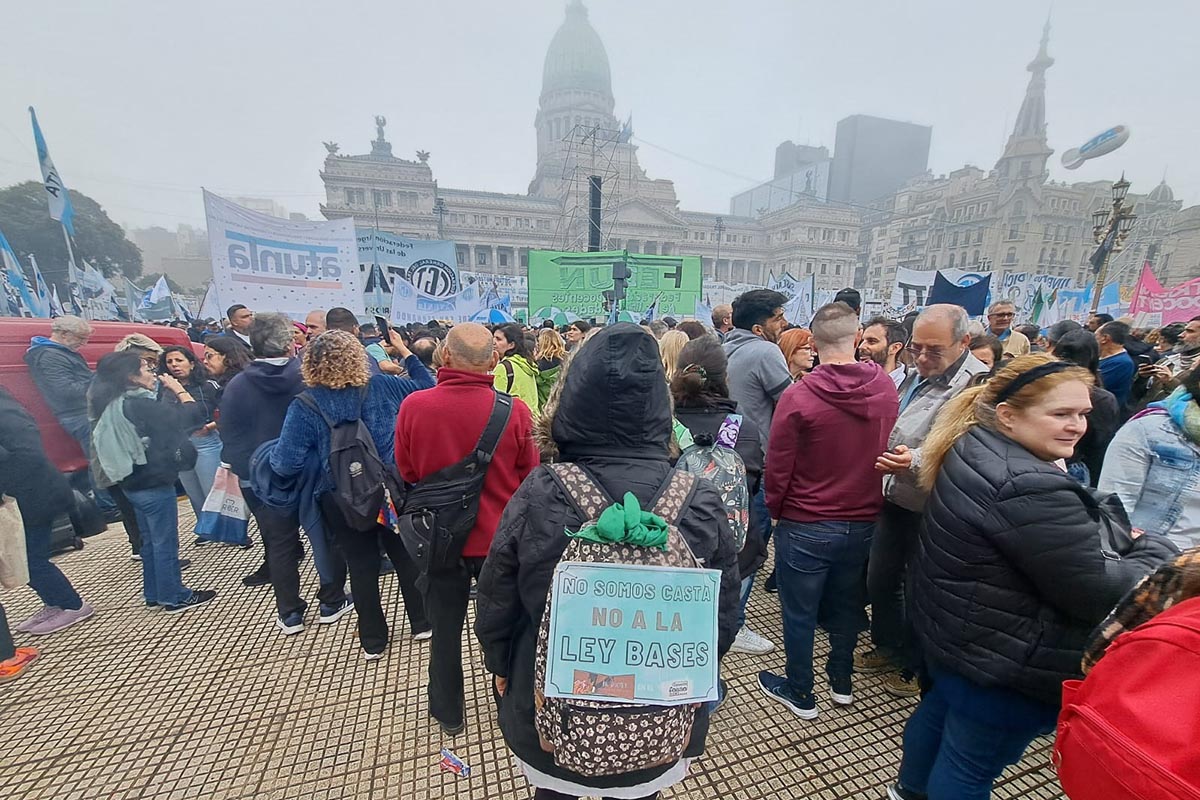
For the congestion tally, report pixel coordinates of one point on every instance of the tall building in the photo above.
(873, 157)
(801, 173)
(578, 134)
(1012, 219)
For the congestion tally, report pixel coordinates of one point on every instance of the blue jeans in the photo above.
(760, 525)
(962, 736)
(158, 517)
(819, 566)
(198, 480)
(81, 431)
(45, 577)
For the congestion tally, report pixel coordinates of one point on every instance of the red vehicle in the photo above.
(15, 333)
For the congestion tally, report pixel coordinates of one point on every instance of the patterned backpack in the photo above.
(591, 738)
(716, 460)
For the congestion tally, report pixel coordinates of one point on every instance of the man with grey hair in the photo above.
(315, 322)
(253, 408)
(944, 368)
(62, 376)
(1001, 315)
(823, 489)
(438, 428)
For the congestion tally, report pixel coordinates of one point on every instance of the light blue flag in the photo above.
(15, 279)
(56, 191)
(41, 292)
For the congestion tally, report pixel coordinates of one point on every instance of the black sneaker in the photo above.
(198, 598)
(201, 541)
(897, 792)
(841, 691)
(113, 517)
(452, 730)
(386, 567)
(260, 577)
(772, 584)
(776, 688)
(184, 563)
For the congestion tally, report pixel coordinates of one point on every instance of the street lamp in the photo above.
(1110, 229)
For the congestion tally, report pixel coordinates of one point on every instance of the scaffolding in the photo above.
(587, 151)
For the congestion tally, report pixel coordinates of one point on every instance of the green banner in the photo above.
(574, 283)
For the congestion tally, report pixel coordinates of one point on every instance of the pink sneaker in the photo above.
(63, 618)
(43, 614)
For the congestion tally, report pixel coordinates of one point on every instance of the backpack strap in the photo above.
(675, 495)
(508, 370)
(588, 497)
(727, 434)
(489, 440)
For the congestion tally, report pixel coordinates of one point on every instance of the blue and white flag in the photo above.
(41, 292)
(134, 297)
(56, 191)
(18, 288)
(209, 307)
(56, 306)
(159, 305)
(652, 311)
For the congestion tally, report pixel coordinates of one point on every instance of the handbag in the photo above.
(1116, 532)
(224, 516)
(14, 563)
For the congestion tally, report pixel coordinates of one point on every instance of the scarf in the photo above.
(1183, 412)
(626, 523)
(117, 445)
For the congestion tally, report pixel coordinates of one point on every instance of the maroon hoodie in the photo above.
(827, 432)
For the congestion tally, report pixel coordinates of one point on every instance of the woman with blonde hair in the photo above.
(669, 347)
(1016, 564)
(341, 389)
(796, 344)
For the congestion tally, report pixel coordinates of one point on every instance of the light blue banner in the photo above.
(633, 634)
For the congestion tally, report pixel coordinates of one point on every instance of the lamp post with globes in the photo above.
(1110, 229)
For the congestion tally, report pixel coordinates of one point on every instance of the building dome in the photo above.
(1162, 194)
(576, 59)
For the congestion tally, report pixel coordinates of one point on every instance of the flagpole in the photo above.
(72, 277)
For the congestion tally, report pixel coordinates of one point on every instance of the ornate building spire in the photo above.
(1027, 152)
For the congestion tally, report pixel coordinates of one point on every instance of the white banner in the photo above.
(1021, 288)
(272, 264)
(516, 287)
(911, 288)
(428, 264)
(412, 306)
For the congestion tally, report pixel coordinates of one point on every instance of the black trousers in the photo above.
(547, 794)
(446, 597)
(892, 548)
(361, 551)
(280, 532)
(128, 517)
(7, 649)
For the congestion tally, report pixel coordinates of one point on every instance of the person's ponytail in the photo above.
(957, 417)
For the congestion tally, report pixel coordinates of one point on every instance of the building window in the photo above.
(524, 258)
(481, 257)
(954, 239)
(502, 258)
(979, 237)
(383, 199)
(1053, 254)
(837, 268)
(808, 268)
(933, 261)
(950, 263)
(1011, 256)
(975, 257)
(1042, 256)
(1014, 232)
(1026, 168)
(356, 197)
(1018, 208)
(543, 224)
(462, 257)
(824, 267)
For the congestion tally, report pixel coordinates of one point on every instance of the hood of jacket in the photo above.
(737, 338)
(522, 364)
(40, 343)
(841, 385)
(275, 379)
(611, 399)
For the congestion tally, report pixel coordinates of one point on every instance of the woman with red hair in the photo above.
(796, 344)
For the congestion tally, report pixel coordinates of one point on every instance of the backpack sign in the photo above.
(716, 460)
(616, 733)
(1130, 730)
(362, 483)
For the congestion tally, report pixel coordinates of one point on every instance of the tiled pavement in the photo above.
(216, 703)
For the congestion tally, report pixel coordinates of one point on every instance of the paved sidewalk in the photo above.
(215, 703)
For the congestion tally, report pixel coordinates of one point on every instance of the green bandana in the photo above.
(626, 523)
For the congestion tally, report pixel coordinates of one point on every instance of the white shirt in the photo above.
(898, 375)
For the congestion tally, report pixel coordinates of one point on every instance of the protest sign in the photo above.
(633, 634)
(273, 264)
(576, 282)
(409, 305)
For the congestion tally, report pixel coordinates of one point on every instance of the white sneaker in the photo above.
(748, 641)
(372, 656)
(423, 636)
(841, 699)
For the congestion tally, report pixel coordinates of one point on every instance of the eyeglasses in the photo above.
(918, 350)
(1003, 315)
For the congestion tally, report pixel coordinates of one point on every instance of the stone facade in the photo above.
(494, 232)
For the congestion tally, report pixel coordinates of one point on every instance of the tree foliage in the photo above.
(25, 220)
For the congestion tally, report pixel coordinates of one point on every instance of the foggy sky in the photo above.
(142, 103)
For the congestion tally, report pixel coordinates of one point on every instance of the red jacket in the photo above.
(439, 426)
(827, 431)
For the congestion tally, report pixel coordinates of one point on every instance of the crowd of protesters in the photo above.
(952, 478)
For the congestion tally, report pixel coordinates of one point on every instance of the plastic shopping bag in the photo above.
(224, 517)
(14, 564)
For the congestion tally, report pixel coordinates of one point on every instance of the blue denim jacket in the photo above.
(1155, 470)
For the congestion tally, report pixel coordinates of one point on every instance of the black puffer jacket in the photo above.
(1008, 580)
(26, 474)
(611, 416)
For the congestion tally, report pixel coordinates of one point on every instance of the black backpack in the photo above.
(439, 511)
(362, 482)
